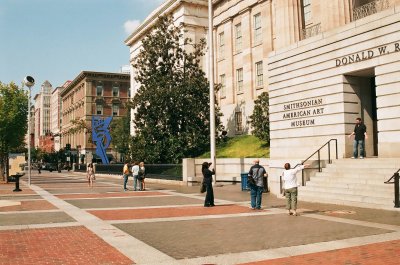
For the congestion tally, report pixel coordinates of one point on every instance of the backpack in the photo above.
(250, 178)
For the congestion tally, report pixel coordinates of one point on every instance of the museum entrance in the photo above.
(363, 85)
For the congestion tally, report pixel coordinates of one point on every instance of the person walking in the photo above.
(90, 175)
(290, 185)
(135, 173)
(39, 167)
(360, 135)
(125, 173)
(256, 184)
(207, 180)
(142, 176)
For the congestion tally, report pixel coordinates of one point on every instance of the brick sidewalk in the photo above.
(168, 225)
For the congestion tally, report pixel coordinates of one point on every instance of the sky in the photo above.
(55, 40)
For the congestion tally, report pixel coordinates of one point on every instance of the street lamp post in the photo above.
(211, 78)
(29, 82)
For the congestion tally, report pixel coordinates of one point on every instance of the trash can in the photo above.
(244, 181)
(265, 181)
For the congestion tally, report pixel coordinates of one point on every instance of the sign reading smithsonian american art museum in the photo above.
(302, 109)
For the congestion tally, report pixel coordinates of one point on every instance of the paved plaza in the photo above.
(60, 220)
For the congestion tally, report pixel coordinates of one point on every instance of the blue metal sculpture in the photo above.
(101, 136)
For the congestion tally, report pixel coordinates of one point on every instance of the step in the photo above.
(318, 199)
(346, 180)
(340, 185)
(370, 176)
(384, 171)
(365, 165)
(347, 197)
(368, 159)
(357, 192)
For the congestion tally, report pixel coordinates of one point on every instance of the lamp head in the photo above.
(29, 81)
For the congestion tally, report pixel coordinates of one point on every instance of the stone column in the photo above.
(338, 14)
(288, 22)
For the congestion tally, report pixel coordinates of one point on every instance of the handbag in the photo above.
(203, 187)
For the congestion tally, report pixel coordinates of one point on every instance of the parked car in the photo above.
(50, 166)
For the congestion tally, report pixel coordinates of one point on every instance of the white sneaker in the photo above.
(361, 157)
(353, 157)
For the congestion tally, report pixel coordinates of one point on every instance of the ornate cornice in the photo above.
(93, 75)
(166, 8)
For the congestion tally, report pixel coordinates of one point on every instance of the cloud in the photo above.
(131, 25)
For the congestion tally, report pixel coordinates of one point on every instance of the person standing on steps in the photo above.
(360, 135)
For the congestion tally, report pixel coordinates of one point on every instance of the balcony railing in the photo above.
(311, 31)
(370, 8)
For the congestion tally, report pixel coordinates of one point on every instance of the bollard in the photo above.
(396, 190)
(17, 183)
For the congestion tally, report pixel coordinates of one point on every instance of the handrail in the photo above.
(303, 182)
(396, 177)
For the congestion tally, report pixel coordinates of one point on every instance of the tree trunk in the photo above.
(2, 175)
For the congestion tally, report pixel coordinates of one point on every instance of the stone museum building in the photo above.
(323, 63)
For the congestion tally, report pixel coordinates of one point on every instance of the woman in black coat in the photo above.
(207, 174)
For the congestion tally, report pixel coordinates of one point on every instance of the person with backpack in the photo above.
(255, 179)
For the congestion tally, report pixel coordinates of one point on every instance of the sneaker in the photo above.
(361, 157)
(353, 157)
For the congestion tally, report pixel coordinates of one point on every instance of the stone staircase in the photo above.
(354, 182)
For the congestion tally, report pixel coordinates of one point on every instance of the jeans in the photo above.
(125, 180)
(256, 196)
(135, 181)
(360, 143)
(291, 198)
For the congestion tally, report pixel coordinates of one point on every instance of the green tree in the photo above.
(13, 122)
(171, 118)
(259, 120)
(120, 133)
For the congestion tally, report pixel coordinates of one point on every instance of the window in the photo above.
(307, 11)
(257, 29)
(221, 45)
(238, 37)
(259, 74)
(115, 109)
(115, 91)
(238, 122)
(223, 85)
(99, 109)
(99, 90)
(239, 80)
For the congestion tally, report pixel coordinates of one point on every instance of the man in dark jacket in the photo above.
(360, 135)
(257, 173)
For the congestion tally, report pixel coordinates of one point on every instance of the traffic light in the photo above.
(68, 147)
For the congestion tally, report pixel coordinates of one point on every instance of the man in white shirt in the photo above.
(289, 179)
(135, 173)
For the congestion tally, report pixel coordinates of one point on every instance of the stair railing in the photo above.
(396, 177)
(303, 181)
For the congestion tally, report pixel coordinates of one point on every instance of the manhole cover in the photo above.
(339, 212)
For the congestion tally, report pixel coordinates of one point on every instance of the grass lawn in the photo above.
(241, 146)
